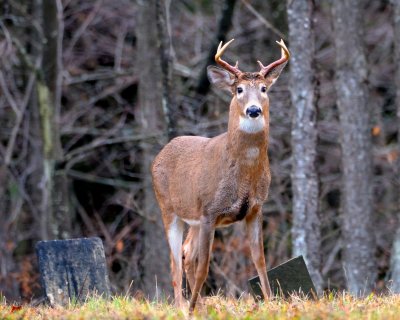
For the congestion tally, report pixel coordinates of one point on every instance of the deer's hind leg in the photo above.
(174, 228)
(190, 253)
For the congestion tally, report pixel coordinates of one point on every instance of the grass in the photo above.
(329, 307)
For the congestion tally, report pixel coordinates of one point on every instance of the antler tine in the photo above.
(285, 55)
(232, 69)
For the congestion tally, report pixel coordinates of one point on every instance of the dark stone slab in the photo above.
(72, 269)
(286, 279)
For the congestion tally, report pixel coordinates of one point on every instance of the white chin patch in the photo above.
(251, 125)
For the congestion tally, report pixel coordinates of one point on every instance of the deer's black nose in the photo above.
(253, 111)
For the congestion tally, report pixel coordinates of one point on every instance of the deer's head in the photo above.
(249, 89)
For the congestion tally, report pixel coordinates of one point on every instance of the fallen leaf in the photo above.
(15, 308)
(376, 130)
(119, 246)
(392, 156)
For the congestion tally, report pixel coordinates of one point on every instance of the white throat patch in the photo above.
(252, 153)
(250, 125)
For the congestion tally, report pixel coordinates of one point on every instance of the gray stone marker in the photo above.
(72, 269)
(286, 279)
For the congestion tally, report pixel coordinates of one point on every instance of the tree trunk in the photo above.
(306, 223)
(165, 58)
(55, 217)
(395, 256)
(224, 24)
(155, 263)
(351, 73)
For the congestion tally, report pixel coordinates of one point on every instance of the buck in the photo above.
(213, 182)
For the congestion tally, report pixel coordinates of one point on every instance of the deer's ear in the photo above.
(273, 74)
(220, 77)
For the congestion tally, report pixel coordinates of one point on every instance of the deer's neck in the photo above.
(248, 147)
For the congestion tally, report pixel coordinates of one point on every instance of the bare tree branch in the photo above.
(80, 31)
(117, 183)
(263, 20)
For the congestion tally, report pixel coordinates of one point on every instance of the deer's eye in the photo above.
(239, 90)
(263, 89)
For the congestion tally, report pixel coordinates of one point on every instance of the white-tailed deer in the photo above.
(213, 182)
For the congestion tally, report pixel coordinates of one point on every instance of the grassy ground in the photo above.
(329, 307)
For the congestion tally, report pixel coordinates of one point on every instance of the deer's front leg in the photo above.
(255, 236)
(206, 237)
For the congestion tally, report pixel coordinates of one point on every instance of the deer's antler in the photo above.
(285, 55)
(232, 69)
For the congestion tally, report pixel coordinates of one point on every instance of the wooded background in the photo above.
(91, 90)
